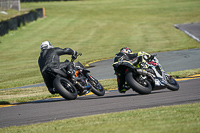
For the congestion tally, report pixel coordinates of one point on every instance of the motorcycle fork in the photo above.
(89, 77)
(162, 78)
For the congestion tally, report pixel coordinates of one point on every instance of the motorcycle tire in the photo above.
(172, 84)
(65, 88)
(97, 88)
(136, 86)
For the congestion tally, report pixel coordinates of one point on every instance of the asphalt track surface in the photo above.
(191, 29)
(59, 108)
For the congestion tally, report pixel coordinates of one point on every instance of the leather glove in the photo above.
(74, 56)
(152, 57)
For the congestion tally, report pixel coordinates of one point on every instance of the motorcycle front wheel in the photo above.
(65, 88)
(97, 88)
(172, 84)
(140, 86)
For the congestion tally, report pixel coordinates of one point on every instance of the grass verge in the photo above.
(185, 73)
(165, 119)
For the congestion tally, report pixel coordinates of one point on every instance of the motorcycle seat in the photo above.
(58, 71)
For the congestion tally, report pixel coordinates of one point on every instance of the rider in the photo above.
(49, 58)
(126, 54)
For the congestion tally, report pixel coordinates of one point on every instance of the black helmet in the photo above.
(126, 50)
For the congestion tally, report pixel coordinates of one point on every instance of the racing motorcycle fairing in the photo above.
(79, 66)
(148, 68)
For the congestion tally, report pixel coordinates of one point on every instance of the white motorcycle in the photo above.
(147, 76)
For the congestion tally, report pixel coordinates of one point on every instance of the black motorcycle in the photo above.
(84, 82)
(146, 74)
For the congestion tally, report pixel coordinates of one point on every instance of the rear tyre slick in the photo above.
(139, 88)
(65, 88)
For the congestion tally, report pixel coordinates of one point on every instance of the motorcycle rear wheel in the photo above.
(136, 86)
(65, 88)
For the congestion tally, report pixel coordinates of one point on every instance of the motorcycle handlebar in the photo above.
(149, 58)
(79, 54)
(75, 57)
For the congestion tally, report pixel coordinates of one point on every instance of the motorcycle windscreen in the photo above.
(78, 64)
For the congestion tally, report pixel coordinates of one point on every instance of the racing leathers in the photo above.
(49, 58)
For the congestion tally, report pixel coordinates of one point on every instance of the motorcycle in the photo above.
(145, 74)
(85, 83)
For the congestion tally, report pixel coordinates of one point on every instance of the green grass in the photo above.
(10, 13)
(185, 73)
(98, 29)
(171, 119)
(24, 95)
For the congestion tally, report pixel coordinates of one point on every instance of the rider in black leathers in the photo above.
(126, 54)
(49, 58)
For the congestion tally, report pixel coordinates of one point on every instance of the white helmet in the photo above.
(45, 45)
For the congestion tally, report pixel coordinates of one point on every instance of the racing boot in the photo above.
(124, 88)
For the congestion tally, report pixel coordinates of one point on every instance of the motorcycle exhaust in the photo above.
(83, 87)
(143, 72)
